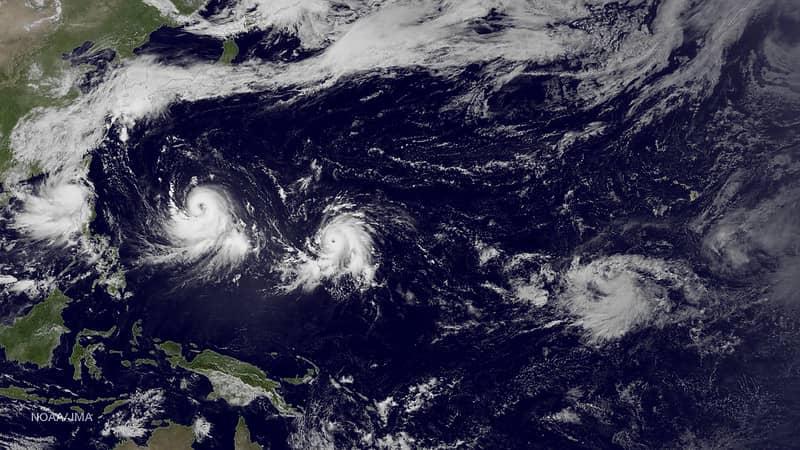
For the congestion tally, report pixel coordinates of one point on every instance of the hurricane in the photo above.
(392, 224)
(203, 230)
(343, 248)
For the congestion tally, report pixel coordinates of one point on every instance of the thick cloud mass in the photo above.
(343, 247)
(398, 224)
(203, 229)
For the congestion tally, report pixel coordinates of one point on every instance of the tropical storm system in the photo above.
(399, 224)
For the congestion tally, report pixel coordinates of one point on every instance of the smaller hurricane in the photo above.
(342, 248)
(204, 231)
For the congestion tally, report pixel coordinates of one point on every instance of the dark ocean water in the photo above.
(437, 179)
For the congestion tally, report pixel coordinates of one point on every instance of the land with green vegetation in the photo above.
(241, 439)
(34, 337)
(33, 65)
(28, 395)
(170, 437)
(146, 361)
(234, 381)
(305, 379)
(112, 276)
(20, 393)
(84, 354)
(111, 407)
(173, 350)
(311, 373)
(136, 333)
(229, 51)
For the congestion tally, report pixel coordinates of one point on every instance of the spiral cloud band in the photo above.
(204, 231)
(342, 248)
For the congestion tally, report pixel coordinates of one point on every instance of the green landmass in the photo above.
(111, 407)
(305, 379)
(170, 437)
(118, 24)
(173, 351)
(112, 276)
(34, 337)
(171, 348)
(136, 333)
(311, 373)
(209, 360)
(229, 51)
(234, 381)
(146, 361)
(27, 394)
(84, 355)
(241, 439)
(19, 393)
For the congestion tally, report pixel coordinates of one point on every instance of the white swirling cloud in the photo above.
(56, 213)
(343, 248)
(203, 231)
(614, 295)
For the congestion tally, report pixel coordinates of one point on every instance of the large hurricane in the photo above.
(202, 231)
